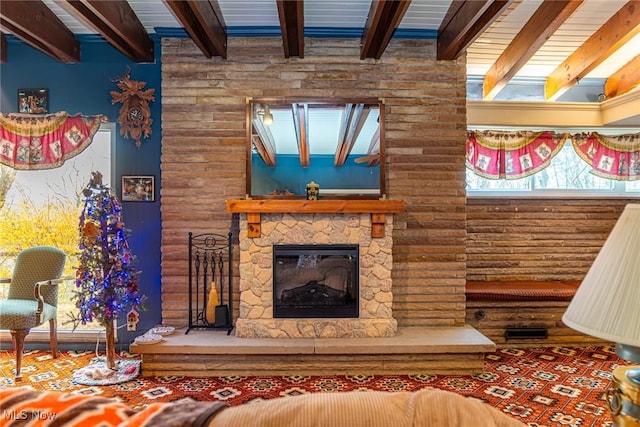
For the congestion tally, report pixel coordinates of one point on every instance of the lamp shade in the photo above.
(607, 303)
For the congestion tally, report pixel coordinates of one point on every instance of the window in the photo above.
(567, 176)
(43, 207)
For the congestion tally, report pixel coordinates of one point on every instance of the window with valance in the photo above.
(518, 154)
(30, 142)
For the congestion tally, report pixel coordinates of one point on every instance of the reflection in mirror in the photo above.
(337, 143)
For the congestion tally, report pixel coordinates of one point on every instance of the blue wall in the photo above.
(291, 176)
(85, 88)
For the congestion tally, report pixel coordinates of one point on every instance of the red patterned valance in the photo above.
(511, 155)
(44, 142)
(614, 157)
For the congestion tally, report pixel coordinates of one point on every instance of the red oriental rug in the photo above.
(555, 386)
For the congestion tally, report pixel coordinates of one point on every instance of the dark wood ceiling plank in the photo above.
(291, 15)
(623, 80)
(383, 19)
(116, 22)
(203, 21)
(36, 25)
(463, 23)
(543, 23)
(618, 30)
(3, 48)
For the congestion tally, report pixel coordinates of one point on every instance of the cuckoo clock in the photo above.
(135, 115)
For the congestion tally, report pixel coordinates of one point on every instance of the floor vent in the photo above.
(525, 333)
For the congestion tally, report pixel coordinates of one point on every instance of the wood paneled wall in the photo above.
(203, 154)
(536, 239)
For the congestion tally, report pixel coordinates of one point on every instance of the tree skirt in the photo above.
(97, 372)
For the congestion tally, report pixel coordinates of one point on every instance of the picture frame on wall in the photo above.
(138, 188)
(33, 101)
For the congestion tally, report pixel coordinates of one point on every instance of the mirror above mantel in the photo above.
(337, 143)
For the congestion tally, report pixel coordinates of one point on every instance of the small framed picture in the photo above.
(33, 101)
(138, 188)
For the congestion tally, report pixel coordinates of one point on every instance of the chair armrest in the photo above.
(38, 294)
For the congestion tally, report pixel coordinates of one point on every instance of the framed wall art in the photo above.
(138, 188)
(33, 101)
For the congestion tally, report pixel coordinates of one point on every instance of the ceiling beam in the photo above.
(617, 31)
(353, 119)
(383, 19)
(291, 15)
(301, 125)
(262, 140)
(203, 21)
(623, 80)
(36, 25)
(372, 158)
(3, 48)
(116, 22)
(463, 24)
(542, 24)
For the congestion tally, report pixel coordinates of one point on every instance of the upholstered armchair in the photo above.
(33, 297)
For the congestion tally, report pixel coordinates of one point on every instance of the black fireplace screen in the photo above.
(315, 281)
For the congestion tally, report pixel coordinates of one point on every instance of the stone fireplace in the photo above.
(337, 226)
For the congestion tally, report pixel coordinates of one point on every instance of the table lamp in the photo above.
(607, 303)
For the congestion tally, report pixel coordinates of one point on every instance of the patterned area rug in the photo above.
(557, 386)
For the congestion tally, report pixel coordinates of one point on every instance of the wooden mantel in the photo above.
(377, 209)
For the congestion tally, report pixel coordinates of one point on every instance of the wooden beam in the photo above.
(36, 25)
(291, 15)
(263, 142)
(353, 119)
(382, 21)
(372, 158)
(301, 125)
(623, 80)
(116, 22)
(203, 21)
(542, 24)
(618, 30)
(3, 48)
(463, 23)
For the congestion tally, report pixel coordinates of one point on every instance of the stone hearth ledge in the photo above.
(412, 350)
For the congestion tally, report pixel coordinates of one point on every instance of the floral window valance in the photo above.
(44, 142)
(514, 155)
(511, 155)
(614, 157)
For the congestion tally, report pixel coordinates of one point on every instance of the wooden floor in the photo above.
(451, 350)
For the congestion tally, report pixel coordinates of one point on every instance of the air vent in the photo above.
(525, 333)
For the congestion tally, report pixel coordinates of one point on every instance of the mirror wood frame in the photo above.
(250, 102)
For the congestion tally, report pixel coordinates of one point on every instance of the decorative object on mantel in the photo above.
(135, 115)
(29, 142)
(313, 191)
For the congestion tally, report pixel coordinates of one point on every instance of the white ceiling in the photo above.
(421, 15)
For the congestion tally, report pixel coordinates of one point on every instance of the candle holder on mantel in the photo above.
(313, 190)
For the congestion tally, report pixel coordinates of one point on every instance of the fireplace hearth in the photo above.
(315, 281)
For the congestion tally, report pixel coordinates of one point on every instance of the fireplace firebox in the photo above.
(320, 281)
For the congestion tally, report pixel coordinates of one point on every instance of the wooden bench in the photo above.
(523, 313)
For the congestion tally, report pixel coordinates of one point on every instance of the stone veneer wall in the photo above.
(204, 155)
(256, 276)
